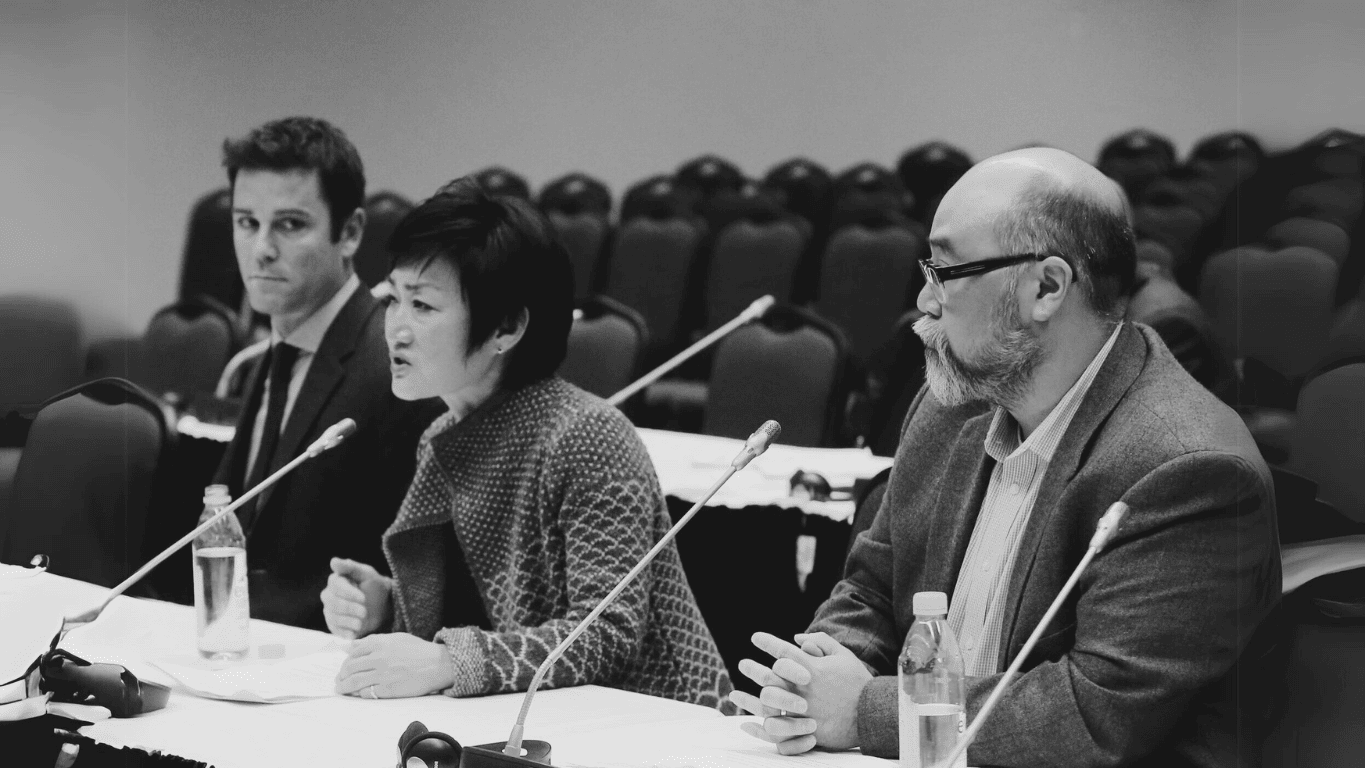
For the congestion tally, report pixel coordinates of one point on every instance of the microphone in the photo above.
(537, 753)
(331, 438)
(757, 443)
(1105, 529)
(754, 311)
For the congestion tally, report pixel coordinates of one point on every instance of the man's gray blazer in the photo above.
(1138, 667)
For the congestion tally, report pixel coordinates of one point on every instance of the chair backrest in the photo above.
(186, 346)
(805, 189)
(1320, 235)
(927, 171)
(497, 180)
(869, 186)
(383, 212)
(1153, 252)
(1337, 200)
(40, 350)
(1272, 306)
(1227, 158)
(751, 259)
(869, 277)
(891, 380)
(703, 177)
(751, 201)
(656, 197)
(1346, 337)
(85, 481)
(650, 268)
(1175, 226)
(1326, 445)
(605, 347)
(575, 193)
(209, 263)
(584, 236)
(1136, 158)
(1183, 326)
(789, 367)
(1185, 187)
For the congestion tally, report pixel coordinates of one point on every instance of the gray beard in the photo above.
(1000, 373)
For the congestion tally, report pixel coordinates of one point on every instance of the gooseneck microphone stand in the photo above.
(329, 439)
(1105, 528)
(754, 311)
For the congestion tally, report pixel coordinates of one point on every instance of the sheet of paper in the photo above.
(1304, 562)
(311, 676)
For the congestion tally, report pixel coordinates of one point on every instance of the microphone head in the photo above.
(757, 443)
(764, 436)
(333, 436)
(760, 306)
(1108, 524)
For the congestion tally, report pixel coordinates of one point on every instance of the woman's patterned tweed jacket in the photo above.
(554, 499)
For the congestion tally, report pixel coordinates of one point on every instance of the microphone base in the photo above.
(536, 753)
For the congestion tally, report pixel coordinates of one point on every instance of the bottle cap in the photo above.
(217, 495)
(930, 604)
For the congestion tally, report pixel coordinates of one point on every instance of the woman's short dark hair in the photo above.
(304, 143)
(508, 259)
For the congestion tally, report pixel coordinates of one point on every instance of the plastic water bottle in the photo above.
(221, 609)
(930, 679)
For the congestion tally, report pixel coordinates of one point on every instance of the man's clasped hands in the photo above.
(810, 695)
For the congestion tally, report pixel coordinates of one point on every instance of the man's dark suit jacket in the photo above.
(340, 503)
(1138, 666)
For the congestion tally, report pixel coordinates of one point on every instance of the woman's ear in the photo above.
(510, 332)
(1056, 279)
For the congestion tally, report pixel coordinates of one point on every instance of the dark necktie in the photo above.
(282, 358)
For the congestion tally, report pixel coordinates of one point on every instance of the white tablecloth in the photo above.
(689, 464)
(590, 725)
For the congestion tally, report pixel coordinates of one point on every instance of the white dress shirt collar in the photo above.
(309, 335)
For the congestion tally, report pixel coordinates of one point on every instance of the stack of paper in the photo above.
(311, 676)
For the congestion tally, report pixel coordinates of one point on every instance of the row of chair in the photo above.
(686, 278)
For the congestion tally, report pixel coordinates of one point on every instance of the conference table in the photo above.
(586, 726)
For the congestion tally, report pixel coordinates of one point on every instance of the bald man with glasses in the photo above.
(1041, 409)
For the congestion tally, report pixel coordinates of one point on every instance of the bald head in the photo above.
(1045, 169)
(1045, 200)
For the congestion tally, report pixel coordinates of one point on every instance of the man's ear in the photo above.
(1055, 280)
(351, 232)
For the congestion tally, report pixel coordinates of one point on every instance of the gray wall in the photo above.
(111, 113)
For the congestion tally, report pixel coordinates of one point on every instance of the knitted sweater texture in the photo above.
(553, 499)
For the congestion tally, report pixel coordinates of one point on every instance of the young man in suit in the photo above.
(1042, 409)
(297, 219)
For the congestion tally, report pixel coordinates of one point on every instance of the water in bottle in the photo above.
(221, 608)
(930, 680)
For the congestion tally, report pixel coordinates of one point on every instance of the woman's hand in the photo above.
(395, 666)
(356, 601)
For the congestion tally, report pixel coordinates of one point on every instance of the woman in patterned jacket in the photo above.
(531, 499)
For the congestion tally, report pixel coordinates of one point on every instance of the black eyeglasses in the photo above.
(936, 275)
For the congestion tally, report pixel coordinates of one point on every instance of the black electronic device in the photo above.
(73, 680)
